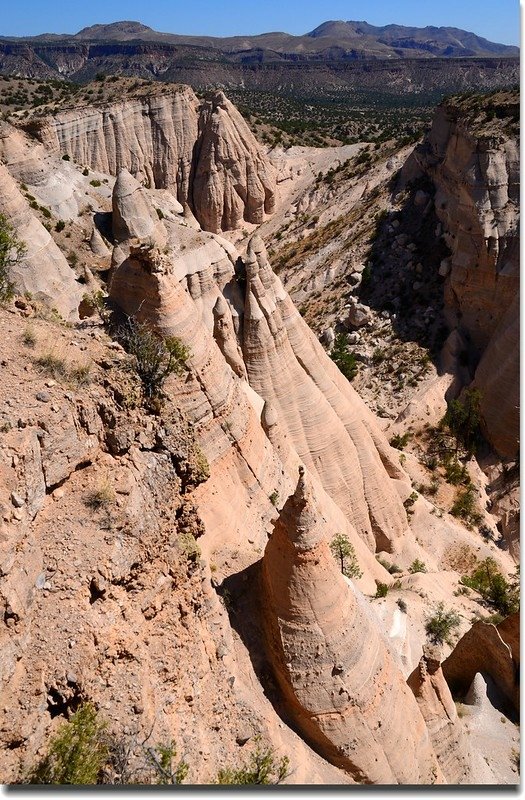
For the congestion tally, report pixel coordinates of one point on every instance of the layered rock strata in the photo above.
(205, 155)
(339, 682)
(439, 712)
(474, 167)
(42, 269)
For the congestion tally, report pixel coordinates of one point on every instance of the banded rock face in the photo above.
(42, 269)
(206, 156)
(475, 170)
(339, 681)
(439, 712)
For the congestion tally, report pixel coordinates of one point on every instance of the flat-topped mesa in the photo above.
(204, 154)
(339, 683)
(325, 421)
(437, 706)
(233, 179)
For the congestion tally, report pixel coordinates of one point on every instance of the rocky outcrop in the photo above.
(439, 712)
(482, 649)
(473, 162)
(339, 682)
(205, 155)
(232, 179)
(318, 408)
(41, 270)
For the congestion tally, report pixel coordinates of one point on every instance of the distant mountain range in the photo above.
(336, 56)
(332, 40)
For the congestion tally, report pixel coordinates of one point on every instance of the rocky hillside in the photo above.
(179, 460)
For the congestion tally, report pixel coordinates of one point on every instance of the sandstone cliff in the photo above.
(204, 153)
(472, 157)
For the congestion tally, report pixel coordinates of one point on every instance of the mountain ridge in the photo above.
(389, 41)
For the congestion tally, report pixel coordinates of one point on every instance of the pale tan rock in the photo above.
(233, 180)
(476, 176)
(482, 649)
(42, 270)
(439, 712)
(338, 439)
(331, 664)
(213, 163)
(133, 215)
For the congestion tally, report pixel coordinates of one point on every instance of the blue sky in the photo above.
(497, 20)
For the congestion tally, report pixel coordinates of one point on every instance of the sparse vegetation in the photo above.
(29, 337)
(11, 251)
(465, 506)
(263, 768)
(441, 625)
(52, 364)
(381, 589)
(400, 441)
(154, 358)
(77, 754)
(344, 552)
(101, 497)
(401, 604)
(343, 358)
(500, 594)
(417, 566)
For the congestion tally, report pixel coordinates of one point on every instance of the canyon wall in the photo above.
(205, 154)
(471, 156)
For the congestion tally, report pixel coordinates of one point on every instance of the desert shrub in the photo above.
(400, 441)
(263, 768)
(381, 589)
(60, 225)
(45, 212)
(29, 337)
(487, 580)
(440, 625)
(95, 182)
(464, 506)
(65, 157)
(52, 365)
(80, 374)
(11, 250)
(274, 498)
(77, 754)
(455, 472)
(154, 358)
(463, 418)
(401, 604)
(85, 171)
(344, 552)
(343, 358)
(417, 566)
(101, 497)
(188, 546)
(161, 759)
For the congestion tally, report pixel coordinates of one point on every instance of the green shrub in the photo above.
(274, 498)
(381, 589)
(487, 580)
(417, 566)
(463, 418)
(77, 754)
(400, 441)
(262, 769)
(29, 337)
(464, 506)
(154, 358)
(60, 225)
(455, 472)
(11, 251)
(343, 358)
(95, 182)
(441, 625)
(401, 604)
(344, 552)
